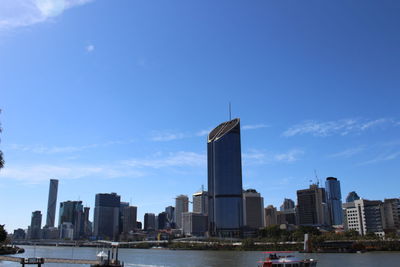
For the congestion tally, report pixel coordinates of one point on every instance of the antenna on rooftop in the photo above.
(316, 177)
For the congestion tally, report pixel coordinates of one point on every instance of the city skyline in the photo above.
(124, 104)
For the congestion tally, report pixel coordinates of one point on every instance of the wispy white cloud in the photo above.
(36, 173)
(40, 149)
(348, 152)
(383, 157)
(89, 48)
(131, 168)
(341, 127)
(177, 159)
(256, 157)
(203, 132)
(290, 156)
(254, 126)
(167, 136)
(20, 13)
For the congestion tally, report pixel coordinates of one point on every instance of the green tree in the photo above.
(3, 234)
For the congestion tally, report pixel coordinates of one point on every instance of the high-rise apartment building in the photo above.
(181, 206)
(311, 206)
(52, 203)
(200, 202)
(334, 200)
(225, 212)
(36, 225)
(106, 216)
(253, 209)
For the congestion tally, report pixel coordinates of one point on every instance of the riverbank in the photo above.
(348, 246)
(8, 250)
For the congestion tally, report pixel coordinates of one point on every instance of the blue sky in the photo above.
(116, 96)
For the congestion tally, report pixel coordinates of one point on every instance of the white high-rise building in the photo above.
(364, 216)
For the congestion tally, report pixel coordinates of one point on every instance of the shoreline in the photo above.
(321, 247)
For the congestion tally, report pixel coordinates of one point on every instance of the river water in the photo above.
(182, 258)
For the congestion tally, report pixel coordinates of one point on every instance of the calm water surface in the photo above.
(176, 258)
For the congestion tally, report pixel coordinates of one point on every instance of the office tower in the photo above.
(162, 221)
(72, 212)
(271, 217)
(253, 209)
(200, 202)
(312, 207)
(106, 216)
(87, 228)
(224, 162)
(287, 204)
(194, 224)
(181, 205)
(391, 209)
(170, 217)
(352, 196)
(149, 222)
(364, 216)
(122, 205)
(129, 219)
(36, 225)
(334, 200)
(52, 203)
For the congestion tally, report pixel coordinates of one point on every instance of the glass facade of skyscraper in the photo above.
(225, 180)
(334, 199)
(52, 203)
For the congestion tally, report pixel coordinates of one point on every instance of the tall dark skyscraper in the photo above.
(72, 212)
(52, 203)
(36, 225)
(170, 211)
(129, 219)
(149, 222)
(334, 199)
(225, 212)
(106, 216)
(312, 207)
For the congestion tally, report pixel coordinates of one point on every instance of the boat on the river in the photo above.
(275, 260)
(106, 261)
